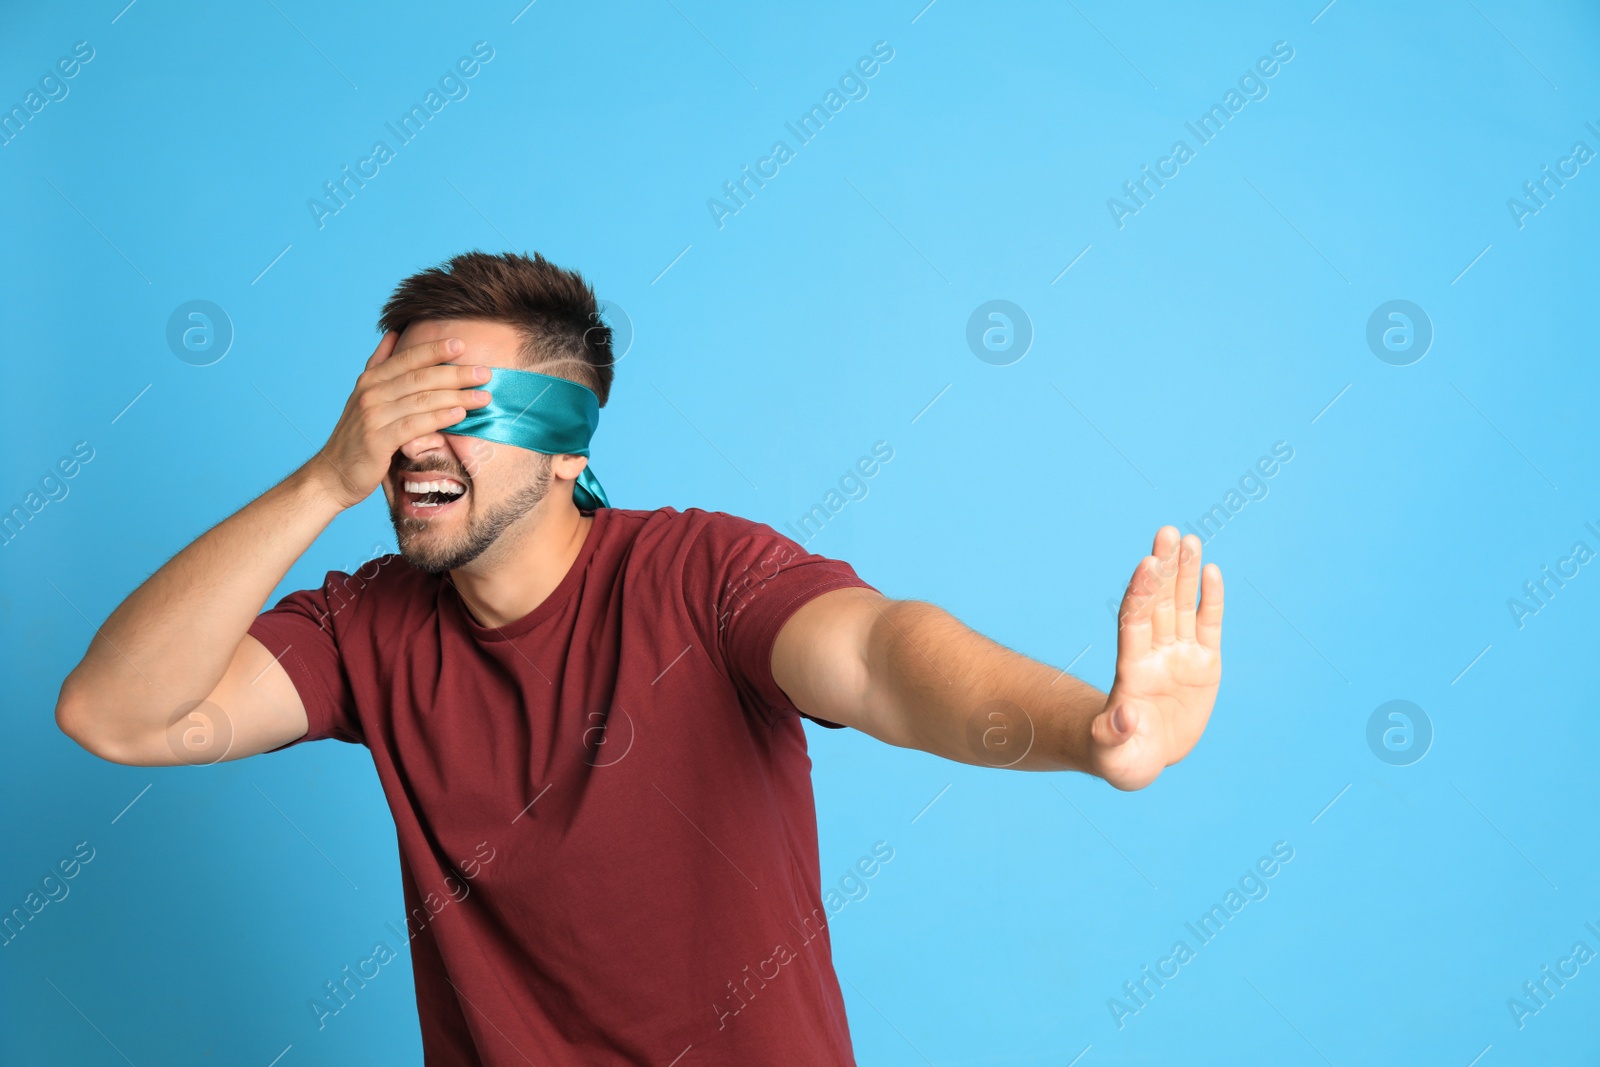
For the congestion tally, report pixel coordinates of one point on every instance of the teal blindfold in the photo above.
(541, 413)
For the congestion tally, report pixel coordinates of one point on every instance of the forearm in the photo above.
(172, 639)
(946, 689)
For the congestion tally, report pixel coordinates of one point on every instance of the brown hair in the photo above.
(553, 309)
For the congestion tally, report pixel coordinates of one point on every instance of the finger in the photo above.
(1133, 620)
(1163, 613)
(1188, 583)
(384, 349)
(1208, 624)
(433, 377)
(429, 401)
(426, 354)
(419, 424)
(1114, 726)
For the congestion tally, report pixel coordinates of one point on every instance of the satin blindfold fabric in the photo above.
(541, 413)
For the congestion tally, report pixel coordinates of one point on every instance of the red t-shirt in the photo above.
(607, 833)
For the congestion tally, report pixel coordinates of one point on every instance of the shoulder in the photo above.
(710, 552)
(380, 585)
(388, 573)
(670, 526)
(679, 518)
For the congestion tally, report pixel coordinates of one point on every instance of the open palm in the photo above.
(1169, 665)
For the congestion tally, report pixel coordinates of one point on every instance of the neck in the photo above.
(524, 566)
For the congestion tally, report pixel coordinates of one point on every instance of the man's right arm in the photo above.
(181, 637)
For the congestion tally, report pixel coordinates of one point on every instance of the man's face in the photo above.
(439, 529)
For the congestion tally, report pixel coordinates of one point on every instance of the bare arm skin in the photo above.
(911, 674)
(180, 637)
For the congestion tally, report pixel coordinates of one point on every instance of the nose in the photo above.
(421, 446)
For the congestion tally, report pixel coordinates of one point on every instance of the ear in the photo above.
(568, 468)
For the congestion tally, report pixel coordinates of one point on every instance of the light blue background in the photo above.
(1227, 315)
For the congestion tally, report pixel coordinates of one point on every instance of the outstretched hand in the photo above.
(1169, 665)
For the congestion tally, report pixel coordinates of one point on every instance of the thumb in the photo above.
(384, 350)
(1115, 725)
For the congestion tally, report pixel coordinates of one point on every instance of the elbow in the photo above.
(72, 717)
(75, 717)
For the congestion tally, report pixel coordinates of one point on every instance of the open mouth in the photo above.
(429, 496)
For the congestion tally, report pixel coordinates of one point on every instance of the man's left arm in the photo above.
(912, 675)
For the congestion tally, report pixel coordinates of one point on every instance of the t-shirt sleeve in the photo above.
(299, 630)
(758, 578)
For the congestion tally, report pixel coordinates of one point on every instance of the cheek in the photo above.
(474, 454)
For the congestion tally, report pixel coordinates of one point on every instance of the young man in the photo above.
(586, 719)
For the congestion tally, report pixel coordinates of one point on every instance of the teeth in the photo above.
(434, 487)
